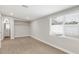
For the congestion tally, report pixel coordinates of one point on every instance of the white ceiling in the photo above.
(32, 11)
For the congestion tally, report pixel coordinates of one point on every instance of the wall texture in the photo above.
(21, 29)
(40, 29)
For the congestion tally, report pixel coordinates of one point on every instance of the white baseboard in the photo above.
(72, 38)
(62, 49)
(21, 36)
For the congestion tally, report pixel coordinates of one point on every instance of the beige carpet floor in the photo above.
(27, 45)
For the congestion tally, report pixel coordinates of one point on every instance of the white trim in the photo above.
(0, 43)
(62, 49)
(21, 36)
(71, 38)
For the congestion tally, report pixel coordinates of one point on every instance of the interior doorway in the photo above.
(7, 29)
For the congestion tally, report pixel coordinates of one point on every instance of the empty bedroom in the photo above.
(39, 29)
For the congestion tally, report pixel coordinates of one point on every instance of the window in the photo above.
(65, 25)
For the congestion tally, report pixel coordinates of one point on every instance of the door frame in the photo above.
(11, 27)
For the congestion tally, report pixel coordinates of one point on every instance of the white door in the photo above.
(0, 31)
(0, 28)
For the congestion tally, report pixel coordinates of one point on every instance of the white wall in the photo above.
(18, 28)
(40, 29)
(70, 44)
(72, 30)
(21, 28)
(12, 27)
(0, 28)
